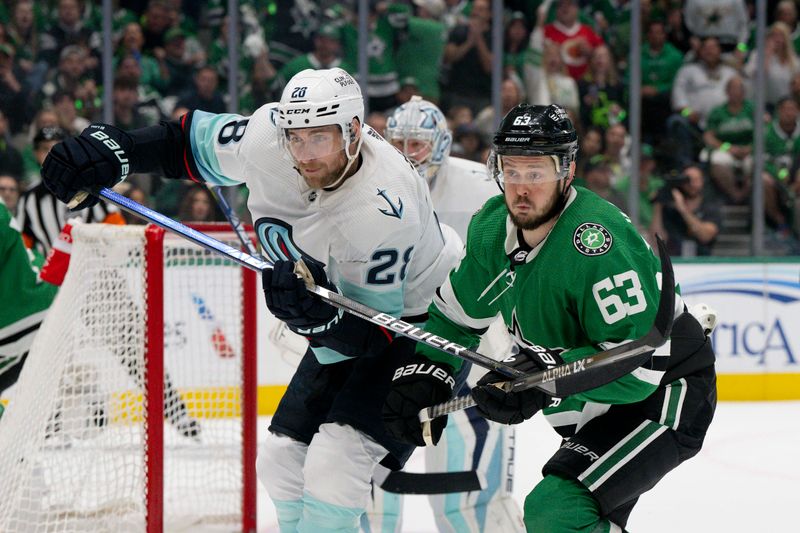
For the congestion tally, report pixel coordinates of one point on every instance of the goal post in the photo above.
(136, 407)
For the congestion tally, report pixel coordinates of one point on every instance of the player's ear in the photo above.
(355, 129)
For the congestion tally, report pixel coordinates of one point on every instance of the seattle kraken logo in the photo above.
(395, 210)
(275, 237)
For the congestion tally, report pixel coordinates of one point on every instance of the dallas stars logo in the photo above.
(592, 239)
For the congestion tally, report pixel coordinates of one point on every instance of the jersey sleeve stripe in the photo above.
(188, 158)
(388, 301)
(446, 301)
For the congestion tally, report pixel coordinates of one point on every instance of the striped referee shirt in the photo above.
(41, 217)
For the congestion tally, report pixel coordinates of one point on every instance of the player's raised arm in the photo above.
(200, 146)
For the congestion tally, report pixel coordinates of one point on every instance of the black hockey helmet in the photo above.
(535, 130)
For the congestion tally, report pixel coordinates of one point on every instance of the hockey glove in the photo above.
(98, 157)
(514, 407)
(289, 300)
(416, 385)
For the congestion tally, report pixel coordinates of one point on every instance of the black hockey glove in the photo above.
(514, 407)
(99, 157)
(289, 300)
(417, 384)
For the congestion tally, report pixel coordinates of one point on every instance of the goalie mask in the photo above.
(318, 98)
(534, 130)
(419, 130)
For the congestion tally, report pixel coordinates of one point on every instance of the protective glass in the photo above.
(306, 144)
(524, 170)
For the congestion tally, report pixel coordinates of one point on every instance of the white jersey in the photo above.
(458, 190)
(376, 233)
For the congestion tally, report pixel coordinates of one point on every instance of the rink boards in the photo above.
(757, 340)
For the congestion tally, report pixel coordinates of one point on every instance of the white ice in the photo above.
(746, 478)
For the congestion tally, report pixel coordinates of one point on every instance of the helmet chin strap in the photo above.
(350, 160)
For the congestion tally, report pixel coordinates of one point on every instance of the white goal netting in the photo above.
(80, 443)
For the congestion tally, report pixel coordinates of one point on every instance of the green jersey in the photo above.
(426, 39)
(660, 68)
(382, 78)
(591, 284)
(25, 297)
(303, 62)
(734, 128)
(781, 150)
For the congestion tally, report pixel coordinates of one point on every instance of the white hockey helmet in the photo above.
(323, 97)
(421, 120)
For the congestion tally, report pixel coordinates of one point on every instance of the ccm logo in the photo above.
(114, 146)
(298, 111)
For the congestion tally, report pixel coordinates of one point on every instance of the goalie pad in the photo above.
(472, 442)
(291, 346)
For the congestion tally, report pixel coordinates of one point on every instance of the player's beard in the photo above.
(321, 173)
(554, 206)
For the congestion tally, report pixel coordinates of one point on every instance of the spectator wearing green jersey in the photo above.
(660, 61)
(426, 38)
(601, 90)
(649, 184)
(515, 44)
(326, 53)
(729, 142)
(388, 26)
(154, 72)
(782, 177)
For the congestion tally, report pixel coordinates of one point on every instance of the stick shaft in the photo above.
(337, 300)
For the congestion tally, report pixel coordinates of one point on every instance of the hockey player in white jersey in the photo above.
(326, 189)
(469, 443)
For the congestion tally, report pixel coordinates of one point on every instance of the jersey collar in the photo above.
(514, 250)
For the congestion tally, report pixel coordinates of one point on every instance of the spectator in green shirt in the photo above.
(660, 63)
(426, 36)
(729, 140)
(649, 185)
(325, 54)
(515, 45)
(782, 176)
(153, 73)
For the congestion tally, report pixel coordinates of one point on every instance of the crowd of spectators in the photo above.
(697, 68)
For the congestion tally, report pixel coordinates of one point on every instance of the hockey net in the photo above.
(135, 410)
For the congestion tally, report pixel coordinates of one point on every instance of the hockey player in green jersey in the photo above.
(25, 300)
(570, 276)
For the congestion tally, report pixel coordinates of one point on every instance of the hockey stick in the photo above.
(234, 220)
(546, 381)
(581, 375)
(399, 482)
(334, 298)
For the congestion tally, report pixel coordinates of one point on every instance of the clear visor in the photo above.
(525, 170)
(307, 144)
(418, 151)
